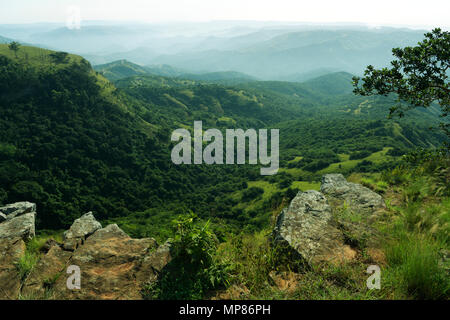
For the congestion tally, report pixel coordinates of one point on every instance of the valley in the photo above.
(89, 130)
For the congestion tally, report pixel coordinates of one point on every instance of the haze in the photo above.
(413, 13)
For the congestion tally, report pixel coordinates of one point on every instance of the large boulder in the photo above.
(22, 226)
(11, 250)
(306, 233)
(16, 209)
(355, 196)
(81, 229)
(113, 266)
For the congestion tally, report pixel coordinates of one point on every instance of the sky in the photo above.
(419, 13)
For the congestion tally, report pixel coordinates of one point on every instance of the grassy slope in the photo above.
(415, 228)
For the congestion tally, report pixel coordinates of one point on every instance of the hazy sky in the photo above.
(375, 12)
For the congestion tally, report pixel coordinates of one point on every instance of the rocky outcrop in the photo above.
(18, 227)
(17, 221)
(309, 230)
(113, 265)
(11, 250)
(45, 273)
(80, 230)
(356, 196)
(16, 209)
(305, 231)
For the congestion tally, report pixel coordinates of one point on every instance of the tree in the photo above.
(419, 77)
(59, 57)
(14, 46)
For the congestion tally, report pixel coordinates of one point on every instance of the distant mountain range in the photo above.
(5, 40)
(269, 51)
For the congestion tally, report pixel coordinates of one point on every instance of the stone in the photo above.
(82, 228)
(356, 196)
(306, 232)
(22, 226)
(153, 263)
(39, 284)
(2, 217)
(16, 209)
(49, 244)
(11, 250)
(113, 266)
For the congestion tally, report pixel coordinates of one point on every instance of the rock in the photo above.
(11, 250)
(306, 233)
(153, 263)
(2, 217)
(81, 229)
(356, 196)
(16, 209)
(49, 244)
(113, 266)
(21, 226)
(39, 284)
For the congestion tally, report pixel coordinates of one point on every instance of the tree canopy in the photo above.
(419, 76)
(14, 46)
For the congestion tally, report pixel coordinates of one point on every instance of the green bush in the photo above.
(193, 269)
(252, 193)
(360, 154)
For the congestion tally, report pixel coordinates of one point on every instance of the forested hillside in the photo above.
(72, 142)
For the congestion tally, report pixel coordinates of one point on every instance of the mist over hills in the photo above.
(121, 69)
(269, 51)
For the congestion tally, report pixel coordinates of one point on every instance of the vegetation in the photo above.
(193, 269)
(418, 76)
(14, 46)
(73, 142)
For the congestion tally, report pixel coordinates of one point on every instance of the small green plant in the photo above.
(194, 269)
(26, 264)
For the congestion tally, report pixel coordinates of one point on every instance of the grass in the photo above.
(26, 264)
(415, 261)
(255, 274)
(347, 164)
(35, 56)
(33, 252)
(412, 237)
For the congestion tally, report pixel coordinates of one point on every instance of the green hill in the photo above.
(225, 77)
(69, 144)
(73, 142)
(119, 69)
(338, 83)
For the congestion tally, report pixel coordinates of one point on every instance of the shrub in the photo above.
(193, 269)
(252, 193)
(360, 154)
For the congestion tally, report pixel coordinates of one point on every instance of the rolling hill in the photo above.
(120, 69)
(72, 141)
